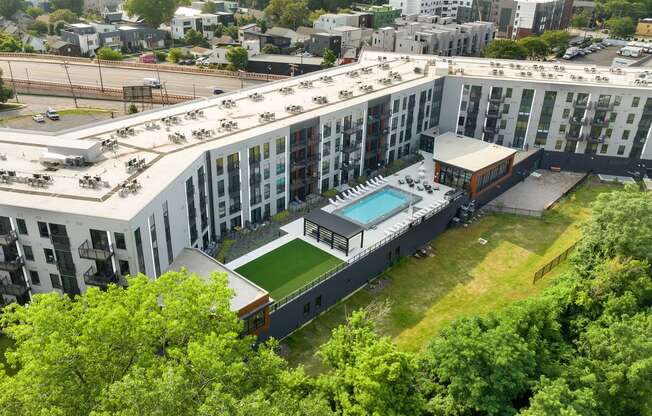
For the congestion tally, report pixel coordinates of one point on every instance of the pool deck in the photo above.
(371, 236)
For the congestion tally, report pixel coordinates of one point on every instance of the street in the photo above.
(175, 83)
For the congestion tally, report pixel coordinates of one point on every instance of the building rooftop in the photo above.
(155, 147)
(199, 263)
(468, 153)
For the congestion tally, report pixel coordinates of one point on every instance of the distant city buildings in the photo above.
(521, 18)
(460, 10)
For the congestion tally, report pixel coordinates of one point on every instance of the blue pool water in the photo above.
(376, 207)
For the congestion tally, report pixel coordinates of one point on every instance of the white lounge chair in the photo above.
(355, 192)
(369, 184)
(339, 198)
(380, 178)
(332, 201)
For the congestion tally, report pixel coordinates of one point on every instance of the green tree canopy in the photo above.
(195, 38)
(62, 15)
(237, 57)
(581, 19)
(536, 47)
(329, 59)
(288, 13)
(621, 27)
(76, 6)
(154, 12)
(9, 7)
(174, 55)
(109, 54)
(556, 39)
(169, 346)
(10, 43)
(38, 27)
(505, 49)
(34, 11)
(5, 92)
(270, 48)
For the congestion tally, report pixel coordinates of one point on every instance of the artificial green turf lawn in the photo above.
(288, 267)
(463, 277)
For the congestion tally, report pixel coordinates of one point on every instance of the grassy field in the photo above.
(289, 267)
(463, 277)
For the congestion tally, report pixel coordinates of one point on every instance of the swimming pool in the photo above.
(377, 207)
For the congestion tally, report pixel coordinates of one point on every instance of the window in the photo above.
(139, 251)
(56, 281)
(219, 166)
(558, 144)
(22, 227)
(120, 242)
(33, 276)
(29, 254)
(280, 204)
(630, 118)
(562, 128)
(508, 93)
(621, 150)
(43, 229)
(265, 150)
(49, 256)
(505, 108)
(569, 97)
(318, 302)
(603, 148)
(625, 135)
(636, 101)
(612, 117)
(124, 267)
(306, 308)
(327, 129)
(396, 104)
(617, 100)
(280, 145)
(566, 113)
(608, 132)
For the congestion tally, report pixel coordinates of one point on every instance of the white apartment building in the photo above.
(460, 10)
(88, 206)
(186, 18)
(329, 21)
(83, 35)
(434, 35)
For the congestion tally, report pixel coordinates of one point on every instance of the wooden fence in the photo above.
(553, 263)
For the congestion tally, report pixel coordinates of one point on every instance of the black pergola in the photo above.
(331, 229)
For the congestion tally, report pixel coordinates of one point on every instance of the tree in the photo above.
(329, 59)
(314, 15)
(109, 54)
(77, 6)
(556, 39)
(620, 27)
(38, 27)
(581, 20)
(169, 346)
(288, 13)
(620, 225)
(9, 43)
(154, 12)
(5, 92)
(237, 57)
(367, 374)
(557, 398)
(194, 38)
(132, 109)
(209, 7)
(34, 11)
(505, 49)
(174, 55)
(62, 15)
(270, 48)
(536, 47)
(9, 7)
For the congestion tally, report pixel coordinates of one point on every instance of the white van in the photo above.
(632, 51)
(152, 82)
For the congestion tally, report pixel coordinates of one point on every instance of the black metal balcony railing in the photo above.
(600, 122)
(494, 99)
(7, 239)
(581, 104)
(493, 113)
(12, 265)
(7, 287)
(60, 242)
(66, 268)
(490, 129)
(600, 139)
(350, 147)
(99, 278)
(101, 251)
(604, 106)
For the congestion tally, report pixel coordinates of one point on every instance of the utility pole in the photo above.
(194, 95)
(158, 75)
(99, 68)
(11, 74)
(27, 73)
(72, 90)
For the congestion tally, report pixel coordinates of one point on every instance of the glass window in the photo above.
(630, 118)
(508, 93)
(625, 135)
(34, 277)
(43, 229)
(29, 254)
(280, 145)
(566, 113)
(621, 150)
(569, 97)
(22, 227)
(219, 166)
(266, 150)
(49, 256)
(617, 100)
(327, 129)
(603, 148)
(636, 101)
(120, 242)
(56, 281)
(558, 144)
(220, 188)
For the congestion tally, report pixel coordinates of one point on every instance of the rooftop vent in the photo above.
(129, 186)
(319, 99)
(170, 120)
(192, 115)
(417, 70)
(286, 90)
(294, 109)
(152, 125)
(267, 116)
(384, 66)
(256, 96)
(7, 176)
(367, 70)
(227, 103)
(385, 81)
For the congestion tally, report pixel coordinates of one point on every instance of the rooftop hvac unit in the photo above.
(294, 109)
(367, 70)
(384, 66)
(202, 133)
(129, 186)
(366, 88)
(267, 116)
(385, 81)
(227, 103)
(256, 96)
(177, 137)
(326, 78)
(135, 164)
(228, 125)
(345, 94)
(125, 131)
(109, 144)
(319, 99)
(417, 70)
(353, 74)
(286, 90)
(305, 84)
(88, 181)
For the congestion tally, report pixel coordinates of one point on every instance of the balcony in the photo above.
(297, 145)
(350, 147)
(101, 279)
(490, 129)
(577, 121)
(234, 188)
(60, 242)
(12, 265)
(101, 251)
(7, 287)
(600, 122)
(372, 118)
(600, 139)
(231, 166)
(352, 129)
(493, 113)
(66, 269)
(235, 208)
(8, 238)
(494, 99)
(603, 106)
(581, 104)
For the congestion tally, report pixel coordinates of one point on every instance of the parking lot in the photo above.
(602, 57)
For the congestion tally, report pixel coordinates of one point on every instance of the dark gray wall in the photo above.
(291, 316)
(580, 162)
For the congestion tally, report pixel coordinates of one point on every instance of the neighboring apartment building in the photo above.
(88, 206)
(460, 10)
(330, 21)
(82, 35)
(186, 18)
(434, 35)
(522, 18)
(644, 28)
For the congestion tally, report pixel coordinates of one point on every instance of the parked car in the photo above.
(38, 118)
(52, 114)
(218, 91)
